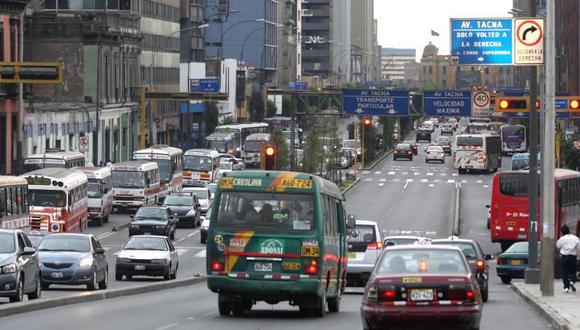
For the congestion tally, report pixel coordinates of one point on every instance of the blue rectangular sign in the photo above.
(298, 85)
(205, 85)
(447, 103)
(375, 102)
(561, 104)
(482, 41)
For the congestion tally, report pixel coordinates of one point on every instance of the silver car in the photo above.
(434, 153)
(204, 196)
(149, 256)
(365, 244)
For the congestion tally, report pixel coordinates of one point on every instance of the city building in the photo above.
(289, 17)
(567, 46)
(363, 40)
(393, 62)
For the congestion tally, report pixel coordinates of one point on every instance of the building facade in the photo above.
(363, 40)
(288, 17)
(393, 62)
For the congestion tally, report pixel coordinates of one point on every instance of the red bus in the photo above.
(509, 205)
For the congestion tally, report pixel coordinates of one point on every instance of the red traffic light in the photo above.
(270, 151)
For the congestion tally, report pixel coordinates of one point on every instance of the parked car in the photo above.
(424, 135)
(19, 267)
(512, 263)
(434, 153)
(186, 206)
(155, 220)
(73, 259)
(403, 151)
(204, 196)
(147, 255)
(365, 244)
(414, 146)
(476, 259)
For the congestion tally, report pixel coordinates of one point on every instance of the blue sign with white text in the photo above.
(205, 85)
(298, 85)
(375, 102)
(482, 41)
(447, 103)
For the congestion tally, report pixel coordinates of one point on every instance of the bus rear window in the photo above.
(268, 212)
(514, 184)
(469, 141)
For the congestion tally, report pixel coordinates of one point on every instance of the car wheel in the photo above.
(485, 293)
(320, 308)
(334, 302)
(37, 290)
(167, 275)
(19, 296)
(224, 306)
(488, 224)
(174, 275)
(118, 276)
(94, 283)
(505, 279)
(105, 282)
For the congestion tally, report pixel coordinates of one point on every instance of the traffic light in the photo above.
(512, 104)
(367, 121)
(574, 103)
(31, 73)
(269, 157)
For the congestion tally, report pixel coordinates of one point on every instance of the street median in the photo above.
(33, 305)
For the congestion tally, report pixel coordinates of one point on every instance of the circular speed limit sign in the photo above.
(481, 99)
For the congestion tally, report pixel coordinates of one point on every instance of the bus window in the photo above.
(126, 179)
(50, 198)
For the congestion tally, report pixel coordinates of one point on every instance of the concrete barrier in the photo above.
(456, 228)
(33, 305)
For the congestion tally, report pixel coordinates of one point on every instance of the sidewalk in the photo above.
(561, 310)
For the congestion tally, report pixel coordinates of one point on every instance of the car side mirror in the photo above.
(350, 222)
(489, 257)
(100, 251)
(28, 251)
(487, 206)
(132, 217)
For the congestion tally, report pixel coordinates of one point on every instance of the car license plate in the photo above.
(352, 255)
(516, 262)
(421, 294)
(56, 275)
(139, 267)
(263, 267)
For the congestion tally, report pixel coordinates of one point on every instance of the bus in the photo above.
(242, 131)
(135, 184)
(278, 122)
(200, 167)
(223, 142)
(509, 205)
(277, 236)
(14, 203)
(100, 193)
(477, 152)
(59, 159)
(169, 161)
(58, 200)
(253, 147)
(477, 127)
(513, 139)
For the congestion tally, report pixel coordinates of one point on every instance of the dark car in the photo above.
(475, 257)
(414, 146)
(154, 220)
(403, 151)
(445, 143)
(73, 259)
(19, 267)
(512, 263)
(187, 208)
(414, 285)
(423, 135)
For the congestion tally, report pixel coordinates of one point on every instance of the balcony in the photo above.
(13, 6)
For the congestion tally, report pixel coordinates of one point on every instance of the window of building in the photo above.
(430, 70)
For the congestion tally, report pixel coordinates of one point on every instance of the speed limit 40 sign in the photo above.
(480, 104)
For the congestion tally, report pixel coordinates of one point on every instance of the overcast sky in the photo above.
(408, 23)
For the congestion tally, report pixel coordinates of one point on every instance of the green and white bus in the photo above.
(277, 236)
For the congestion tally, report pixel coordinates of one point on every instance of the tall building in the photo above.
(326, 40)
(393, 62)
(568, 46)
(288, 17)
(363, 40)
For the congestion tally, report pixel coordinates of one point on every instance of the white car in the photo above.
(225, 167)
(204, 228)
(204, 196)
(435, 121)
(147, 255)
(434, 153)
(429, 125)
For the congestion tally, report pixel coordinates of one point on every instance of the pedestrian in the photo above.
(569, 246)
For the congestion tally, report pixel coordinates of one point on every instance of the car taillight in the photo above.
(409, 152)
(388, 295)
(375, 246)
(501, 261)
(217, 266)
(484, 157)
(312, 267)
(480, 266)
(204, 175)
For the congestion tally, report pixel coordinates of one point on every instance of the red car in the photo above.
(421, 285)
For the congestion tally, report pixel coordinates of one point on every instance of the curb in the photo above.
(551, 315)
(29, 306)
(456, 218)
(351, 185)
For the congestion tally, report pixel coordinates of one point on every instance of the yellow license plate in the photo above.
(352, 255)
(310, 251)
(516, 262)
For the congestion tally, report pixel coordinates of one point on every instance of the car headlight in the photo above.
(134, 226)
(159, 261)
(191, 213)
(85, 262)
(122, 260)
(204, 227)
(11, 268)
(160, 227)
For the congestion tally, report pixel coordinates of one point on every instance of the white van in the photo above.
(100, 193)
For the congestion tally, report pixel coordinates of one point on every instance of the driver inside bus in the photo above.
(267, 214)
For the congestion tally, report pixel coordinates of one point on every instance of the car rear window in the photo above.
(421, 261)
(366, 234)
(467, 248)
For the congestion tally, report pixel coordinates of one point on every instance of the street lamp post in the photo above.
(221, 49)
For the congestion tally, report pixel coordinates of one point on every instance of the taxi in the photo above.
(422, 285)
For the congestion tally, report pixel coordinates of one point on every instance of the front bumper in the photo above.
(8, 284)
(435, 158)
(194, 183)
(70, 276)
(186, 220)
(144, 269)
(264, 288)
(145, 231)
(128, 204)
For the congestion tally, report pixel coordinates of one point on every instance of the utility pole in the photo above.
(548, 155)
(532, 273)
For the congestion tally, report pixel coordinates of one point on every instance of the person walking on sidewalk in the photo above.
(569, 246)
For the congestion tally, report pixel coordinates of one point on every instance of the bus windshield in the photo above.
(51, 198)
(469, 141)
(165, 170)
(94, 189)
(128, 179)
(266, 212)
(219, 146)
(514, 184)
(197, 163)
(253, 146)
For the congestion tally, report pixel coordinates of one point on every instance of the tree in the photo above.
(278, 139)
(210, 116)
(313, 151)
(256, 107)
(286, 105)
(272, 108)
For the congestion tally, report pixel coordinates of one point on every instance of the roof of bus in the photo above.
(480, 134)
(275, 179)
(160, 148)
(142, 165)
(65, 174)
(558, 173)
(95, 172)
(258, 137)
(240, 126)
(209, 152)
(59, 154)
(7, 180)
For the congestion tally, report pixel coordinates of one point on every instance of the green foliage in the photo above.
(210, 116)
(271, 108)
(278, 139)
(313, 151)
(286, 105)
(569, 154)
(229, 121)
(256, 107)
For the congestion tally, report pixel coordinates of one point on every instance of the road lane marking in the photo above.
(410, 180)
(181, 251)
(478, 181)
(485, 186)
(451, 181)
(368, 179)
(396, 180)
(431, 185)
(391, 173)
(381, 184)
(200, 254)
(436, 180)
(105, 235)
(186, 237)
(417, 173)
(365, 172)
(378, 172)
(424, 180)
(383, 180)
(168, 326)
(406, 184)
(443, 174)
(430, 174)
(464, 181)
(454, 174)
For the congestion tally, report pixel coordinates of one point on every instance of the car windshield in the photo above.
(421, 261)
(65, 243)
(403, 146)
(442, 139)
(467, 248)
(94, 190)
(363, 234)
(518, 247)
(128, 179)
(226, 165)
(280, 212)
(197, 163)
(7, 243)
(253, 146)
(435, 149)
(201, 193)
(35, 239)
(146, 243)
(151, 213)
(520, 164)
(469, 141)
(51, 198)
(165, 170)
(178, 201)
(400, 241)
(218, 145)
